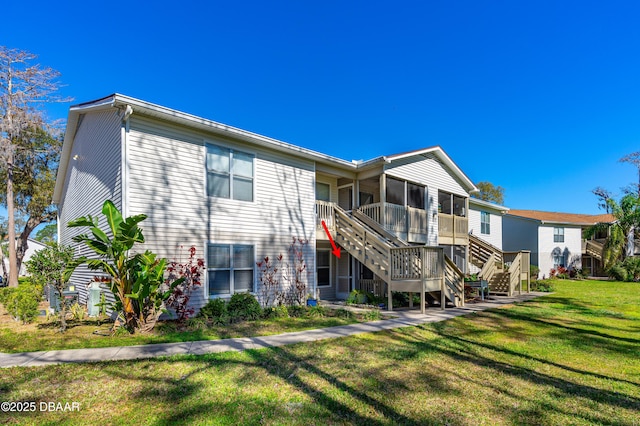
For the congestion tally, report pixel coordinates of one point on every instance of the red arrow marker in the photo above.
(336, 250)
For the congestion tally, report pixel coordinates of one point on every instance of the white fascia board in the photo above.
(488, 204)
(158, 111)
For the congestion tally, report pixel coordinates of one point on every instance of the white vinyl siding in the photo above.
(167, 182)
(94, 175)
(426, 170)
(567, 253)
(495, 217)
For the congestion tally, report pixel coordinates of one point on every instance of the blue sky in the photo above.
(541, 97)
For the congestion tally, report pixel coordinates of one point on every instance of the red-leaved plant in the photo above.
(191, 271)
(269, 279)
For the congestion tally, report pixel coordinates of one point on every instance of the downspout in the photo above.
(124, 154)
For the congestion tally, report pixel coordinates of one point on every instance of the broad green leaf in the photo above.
(113, 215)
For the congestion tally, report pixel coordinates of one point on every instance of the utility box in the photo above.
(93, 300)
(70, 295)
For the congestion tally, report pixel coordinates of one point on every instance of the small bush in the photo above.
(400, 298)
(344, 313)
(317, 312)
(244, 306)
(22, 302)
(214, 308)
(276, 312)
(78, 312)
(534, 270)
(542, 285)
(372, 315)
(196, 324)
(297, 311)
(617, 272)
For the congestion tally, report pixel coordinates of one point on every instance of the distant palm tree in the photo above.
(627, 221)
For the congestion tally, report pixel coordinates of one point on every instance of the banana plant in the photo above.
(136, 279)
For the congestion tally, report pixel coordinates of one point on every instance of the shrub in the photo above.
(542, 285)
(22, 302)
(632, 266)
(372, 315)
(344, 313)
(190, 274)
(276, 312)
(244, 306)
(215, 308)
(534, 270)
(317, 311)
(297, 311)
(617, 272)
(78, 312)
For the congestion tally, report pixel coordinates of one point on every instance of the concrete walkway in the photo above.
(403, 318)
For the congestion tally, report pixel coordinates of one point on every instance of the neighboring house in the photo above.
(555, 239)
(33, 247)
(238, 196)
(485, 222)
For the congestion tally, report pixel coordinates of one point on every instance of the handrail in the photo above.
(515, 270)
(454, 279)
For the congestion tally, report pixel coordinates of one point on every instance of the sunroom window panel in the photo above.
(416, 196)
(444, 202)
(395, 191)
(242, 280)
(219, 282)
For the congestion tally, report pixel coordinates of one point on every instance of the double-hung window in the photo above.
(229, 173)
(230, 268)
(485, 223)
(558, 235)
(558, 260)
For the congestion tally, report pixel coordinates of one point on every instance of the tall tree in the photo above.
(634, 159)
(35, 166)
(490, 192)
(48, 234)
(24, 89)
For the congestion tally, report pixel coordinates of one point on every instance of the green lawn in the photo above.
(567, 358)
(90, 333)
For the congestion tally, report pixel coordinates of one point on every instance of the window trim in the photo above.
(485, 225)
(558, 237)
(231, 269)
(231, 174)
(318, 285)
(558, 264)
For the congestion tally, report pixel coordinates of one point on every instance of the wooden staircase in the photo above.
(503, 271)
(594, 249)
(403, 267)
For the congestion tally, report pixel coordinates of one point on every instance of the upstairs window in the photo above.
(485, 223)
(229, 173)
(558, 235)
